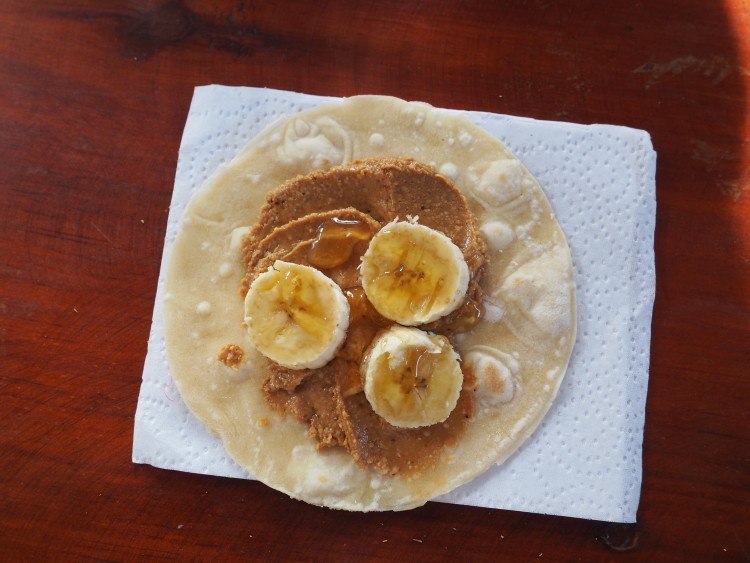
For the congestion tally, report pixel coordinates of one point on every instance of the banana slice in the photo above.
(412, 377)
(413, 274)
(296, 316)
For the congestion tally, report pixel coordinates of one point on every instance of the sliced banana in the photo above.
(412, 378)
(296, 316)
(413, 274)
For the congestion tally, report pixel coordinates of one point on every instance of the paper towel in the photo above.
(584, 460)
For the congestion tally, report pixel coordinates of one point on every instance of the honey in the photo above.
(364, 324)
(462, 319)
(361, 310)
(300, 301)
(417, 371)
(465, 317)
(335, 242)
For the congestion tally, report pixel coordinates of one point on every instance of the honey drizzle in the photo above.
(462, 319)
(300, 304)
(468, 315)
(335, 242)
(364, 323)
(361, 310)
(418, 371)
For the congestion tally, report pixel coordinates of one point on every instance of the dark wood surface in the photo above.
(93, 98)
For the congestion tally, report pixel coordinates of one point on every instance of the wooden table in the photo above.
(93, 98)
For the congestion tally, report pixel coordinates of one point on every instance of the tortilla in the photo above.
(529, 306)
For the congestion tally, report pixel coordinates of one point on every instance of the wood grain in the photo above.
(93, 98)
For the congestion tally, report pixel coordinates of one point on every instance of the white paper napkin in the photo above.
(584, 460)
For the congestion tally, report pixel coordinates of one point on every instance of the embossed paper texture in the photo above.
(584, 460)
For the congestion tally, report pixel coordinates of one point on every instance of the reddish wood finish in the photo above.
(93, 98)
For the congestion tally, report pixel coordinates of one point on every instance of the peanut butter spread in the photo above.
(326, 220)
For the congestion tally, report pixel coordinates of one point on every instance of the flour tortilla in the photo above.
(529, 288)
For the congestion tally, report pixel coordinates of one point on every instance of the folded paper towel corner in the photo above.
(584, 460)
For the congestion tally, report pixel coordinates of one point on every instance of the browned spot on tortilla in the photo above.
(231, 356)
